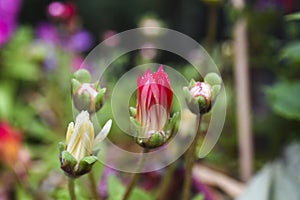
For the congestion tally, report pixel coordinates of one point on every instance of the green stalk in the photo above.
(71, 188)
(93, 186)
(134, 178)
(164, 186)
(189, 162)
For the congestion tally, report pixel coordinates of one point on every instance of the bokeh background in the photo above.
(43, 42)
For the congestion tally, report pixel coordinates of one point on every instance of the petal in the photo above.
(103, 134)
(70, 131)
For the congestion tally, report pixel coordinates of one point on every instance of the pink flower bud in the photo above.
(154, 102)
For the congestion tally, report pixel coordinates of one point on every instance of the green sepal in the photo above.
(187, 94)
(86, 165)
(83, 76)
(213, 79)
(135, 125)
(202, 103)
(99, 99)
(157, 139)
(192, 83)
(61, 146)
(215, 90)
(75, 85)
(68, 163)
(97, 86)
(132, 111)
(172, 126)
(100, 95)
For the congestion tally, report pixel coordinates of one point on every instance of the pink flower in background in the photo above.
(154, 101)
(8, 18)
(62, 11)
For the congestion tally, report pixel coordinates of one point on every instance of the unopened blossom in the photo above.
(86, 96)
(153, 108)
(77, 153)
(80, 137)
(201, 95)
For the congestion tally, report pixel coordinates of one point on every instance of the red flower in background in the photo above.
(154, 101)
(10, 144)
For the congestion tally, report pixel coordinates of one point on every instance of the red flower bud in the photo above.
(154, 102)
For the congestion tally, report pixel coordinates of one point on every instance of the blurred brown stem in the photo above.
(189, 162)
(243, 94)
(212, 27)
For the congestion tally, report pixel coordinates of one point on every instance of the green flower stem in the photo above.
(189, 162)
(135, 177)
(164, 186)
(93, 186)
(71, 188)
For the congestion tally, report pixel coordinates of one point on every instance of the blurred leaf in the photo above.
(22, 194)
(294, 16)
(198, 197)
(284, 99)
(116, 191)
(291, 52)
(6, 100)
(17, 62)
(115, 188)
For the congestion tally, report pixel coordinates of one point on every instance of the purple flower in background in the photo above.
(287, 6)
(80, 41)
(103, 188)
(47, 32)
(8, 18)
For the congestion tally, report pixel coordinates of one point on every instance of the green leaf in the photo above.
(198, 197)
(284, 99)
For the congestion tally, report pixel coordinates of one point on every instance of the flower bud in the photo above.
(76, 156)
(151, 119)
(86, 96)
(201, 95)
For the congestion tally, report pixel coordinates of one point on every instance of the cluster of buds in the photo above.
(201, 95)
(151, 119)
(86, 95)
(76, 155)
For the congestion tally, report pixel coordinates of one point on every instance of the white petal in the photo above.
(102, 135)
